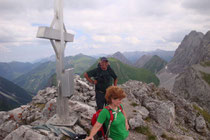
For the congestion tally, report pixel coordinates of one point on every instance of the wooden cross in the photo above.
(58, 37)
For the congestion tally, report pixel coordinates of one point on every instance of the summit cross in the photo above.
(58, 37)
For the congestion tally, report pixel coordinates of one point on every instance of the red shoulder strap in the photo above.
(110, 112)
(121, 109)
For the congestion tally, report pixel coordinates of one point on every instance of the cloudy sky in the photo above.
(99, 26)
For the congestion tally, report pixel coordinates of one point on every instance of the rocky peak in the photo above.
(187, 52)
(187, 74)
(206, 47)
(121, 57)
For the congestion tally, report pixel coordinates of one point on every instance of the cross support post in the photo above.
(58, 37)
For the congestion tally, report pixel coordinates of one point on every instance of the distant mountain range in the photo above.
(35, 76)
(134, 56)
(13, 70)
(38, 78)
(11, 95)
(43, 60)
(121, 57)
(152, 63)
(126, 72)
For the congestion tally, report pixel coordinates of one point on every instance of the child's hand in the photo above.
(127, 125)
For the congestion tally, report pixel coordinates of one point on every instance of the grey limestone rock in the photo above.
(200, 124)
(153, 107)
(143, 111)
(137, 121)
(24, 133)
(8, 127)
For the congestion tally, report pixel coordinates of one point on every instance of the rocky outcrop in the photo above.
(194, 49)
(187, 53)
(200, 124)
(25, 132)
(157, 110)
(191, 85)
(187, 73)
(167, 111)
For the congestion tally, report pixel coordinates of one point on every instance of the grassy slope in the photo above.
(155, 64)
(11, 95)
(39, 77)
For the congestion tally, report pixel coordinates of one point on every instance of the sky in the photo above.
(99, 26)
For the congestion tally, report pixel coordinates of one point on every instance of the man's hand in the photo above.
(89, 79)
(95, 82)
(115, 82)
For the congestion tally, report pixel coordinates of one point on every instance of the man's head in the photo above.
(104, 63)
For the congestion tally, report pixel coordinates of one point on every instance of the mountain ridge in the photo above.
(11, 95)
(15, 69)
(121, 57)
(142, 60)
(155, 64)
(38, 78)
(185, 74)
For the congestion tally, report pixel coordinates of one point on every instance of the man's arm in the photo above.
(114, 76)
(115, 82)
(89, 79)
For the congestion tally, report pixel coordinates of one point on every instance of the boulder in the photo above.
(162, 112)
(143, 111)
(137, 121)
(8, 127)
(25, 133)
(200, 124)
(85, 110)
(49, 109)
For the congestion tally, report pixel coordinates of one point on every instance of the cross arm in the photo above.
(53, 34)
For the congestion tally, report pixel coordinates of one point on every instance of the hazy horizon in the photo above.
(94, 55)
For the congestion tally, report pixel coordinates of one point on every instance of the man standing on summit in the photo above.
(102, 75)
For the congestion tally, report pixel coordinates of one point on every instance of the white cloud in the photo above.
(4, 50)
(100, 26)
(107, 38)
(133, 40)
(99, 38)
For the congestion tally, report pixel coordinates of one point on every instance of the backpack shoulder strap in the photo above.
(122, 109)
(110, 122)
(110, 112)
